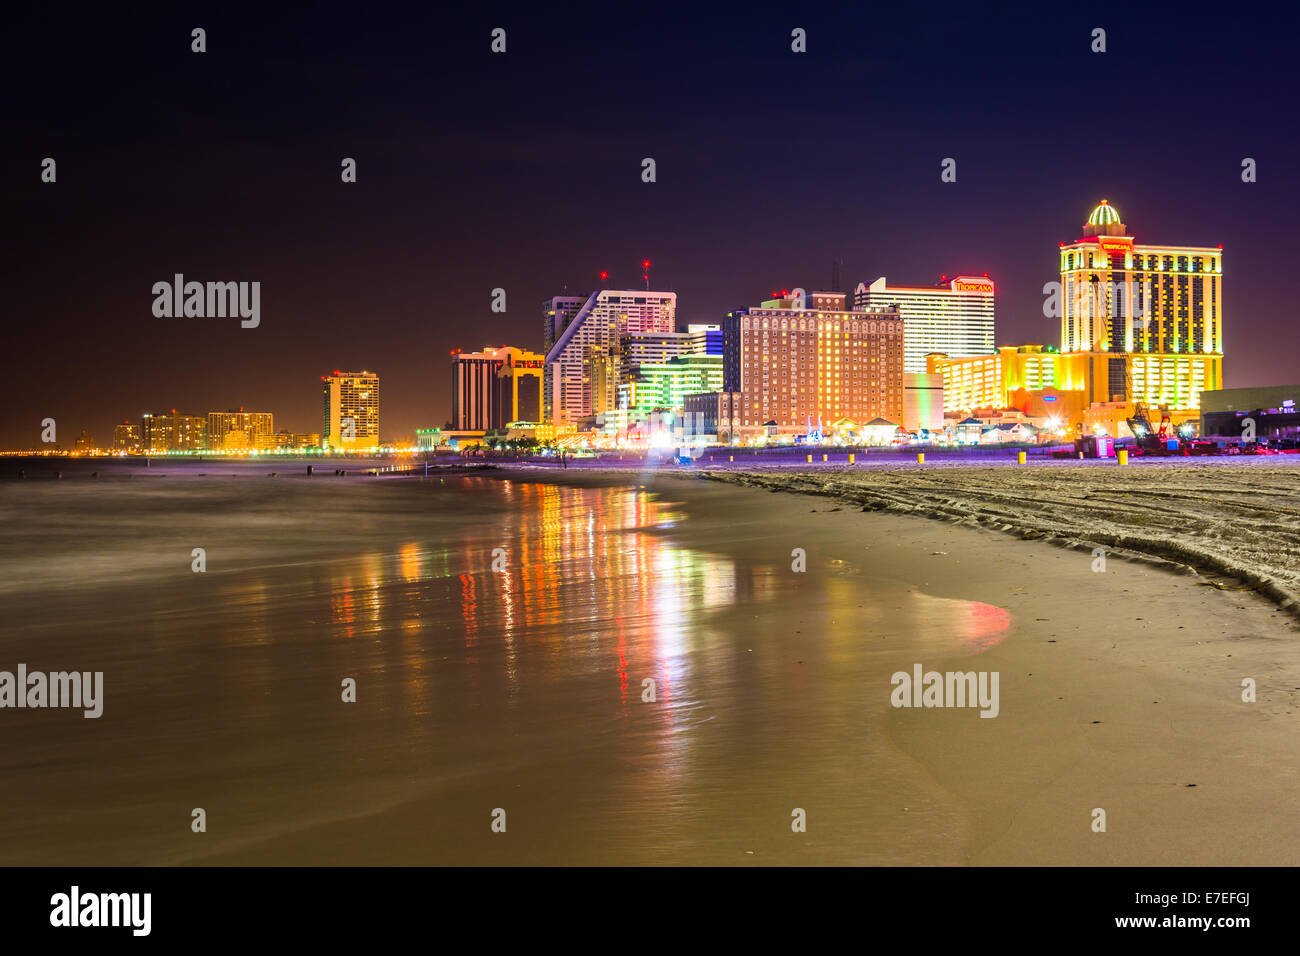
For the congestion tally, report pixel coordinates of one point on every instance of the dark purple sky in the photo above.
(523, 171)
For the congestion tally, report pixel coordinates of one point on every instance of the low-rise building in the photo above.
(1262, 412)
(715, 413)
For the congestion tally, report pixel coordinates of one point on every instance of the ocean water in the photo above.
(483, 693)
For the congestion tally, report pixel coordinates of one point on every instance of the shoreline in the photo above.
(1119, 690)
(886, 490)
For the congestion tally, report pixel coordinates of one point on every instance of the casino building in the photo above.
(494, 387)
(989, 381)
(582, 346)
(1139, 324)
(955, 317)
(1146, 321)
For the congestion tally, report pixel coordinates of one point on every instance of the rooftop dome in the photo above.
(1103, 215)
(1104, 221)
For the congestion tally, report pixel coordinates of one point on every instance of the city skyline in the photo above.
(607, 353)
(450, 218)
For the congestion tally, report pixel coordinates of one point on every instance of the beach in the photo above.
(520, 689)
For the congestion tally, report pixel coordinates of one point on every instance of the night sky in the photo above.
(522, 171)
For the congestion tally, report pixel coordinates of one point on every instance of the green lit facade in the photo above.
(665, 386)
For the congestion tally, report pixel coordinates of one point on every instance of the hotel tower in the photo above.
(582, 342)
(955, 318)
(1146, 320)
(795, 362)
(350, 403)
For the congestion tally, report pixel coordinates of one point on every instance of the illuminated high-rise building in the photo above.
(557, 312)
(664, 386)
(799, 362)
(239, 429)
(350, 407)
(126, 436)
(1149, 317)
(651, 348)
(596, 328)
(604, 368)
(173, 432)
(494, 387)
(519, 383)
(955, 317)
(706, 338)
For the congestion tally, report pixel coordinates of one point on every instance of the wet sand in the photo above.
(521, 689)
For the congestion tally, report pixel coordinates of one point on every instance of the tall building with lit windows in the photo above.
(796, 363)
(495, 387)
(664, 386)
(588, 337)
(173, 432)
(1146, 320)
(126, 436)
(557, 312)
(350, 403)
(955, 317)
(239, 429)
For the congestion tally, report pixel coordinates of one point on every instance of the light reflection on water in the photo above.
(477, 686)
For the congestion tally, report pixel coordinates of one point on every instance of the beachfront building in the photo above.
(593, 333)
(1174, 381)
(1272, 412)
(126, 436)
(239, 429)
(987, 381)
(806, 361)
(714, 414)
(603, 369)
(350, 405)
(1035, 376)
(922, 401)
(664, 386)
(494, 387)
(1149, 318)
(557, 312)
(285, 440)
(474, 394)
(954, 317)
(879, 431)
(519, 382)
(173, 432)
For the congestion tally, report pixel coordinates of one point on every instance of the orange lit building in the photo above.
(1146, 321)
(987, 381)
(494, 387)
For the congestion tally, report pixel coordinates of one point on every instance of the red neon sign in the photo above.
(972, 284)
